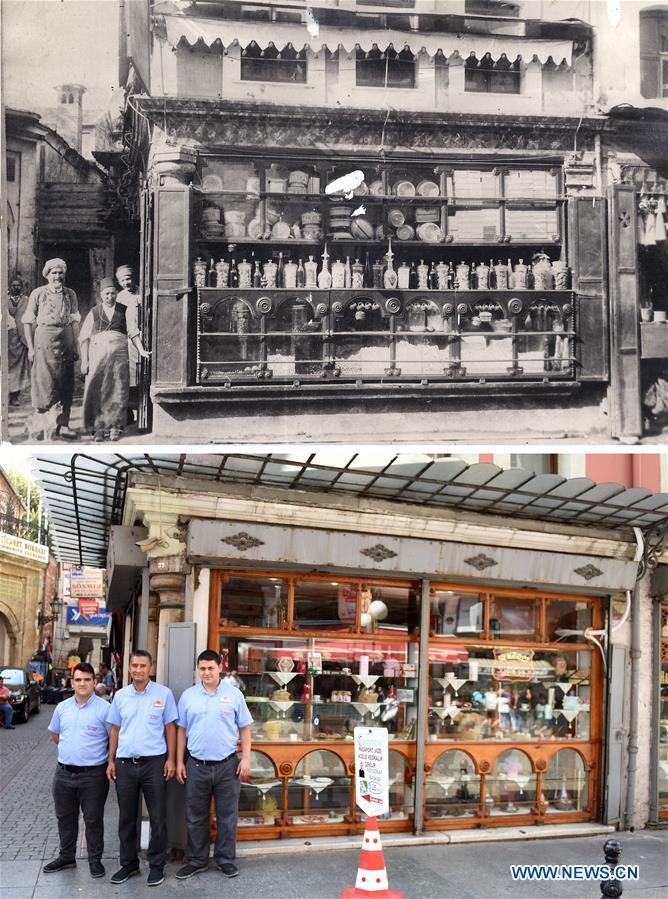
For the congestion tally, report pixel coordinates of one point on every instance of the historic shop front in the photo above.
(510, 691)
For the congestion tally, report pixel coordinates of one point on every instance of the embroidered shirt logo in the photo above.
(158, 704)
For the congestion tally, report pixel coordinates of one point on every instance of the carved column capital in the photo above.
(172, 165)
(168, 580)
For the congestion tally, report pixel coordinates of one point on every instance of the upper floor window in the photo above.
(11, 168)
(270, 64)
(654, 53)
(488, 76)
(388, 69)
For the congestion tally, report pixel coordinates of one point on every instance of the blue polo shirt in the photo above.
(212, 720)
(142, 718)
(83, 730)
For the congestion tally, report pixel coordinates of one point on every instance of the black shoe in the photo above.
(189, 870)
(10, 727)
(123, 874)
(155, 877)
(96, 869)
(58, 864)
(228, 869)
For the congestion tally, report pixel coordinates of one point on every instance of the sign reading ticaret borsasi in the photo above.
(372, 791)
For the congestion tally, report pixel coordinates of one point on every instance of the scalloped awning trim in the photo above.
(215, 34)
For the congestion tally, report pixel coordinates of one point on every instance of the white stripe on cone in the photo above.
(371, 881)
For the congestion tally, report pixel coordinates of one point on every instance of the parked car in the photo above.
(26, 692)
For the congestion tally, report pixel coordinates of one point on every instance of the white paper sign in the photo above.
(371, 770)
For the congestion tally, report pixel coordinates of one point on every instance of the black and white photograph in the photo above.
(390, 220)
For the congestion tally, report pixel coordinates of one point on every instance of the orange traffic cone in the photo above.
(371, 880)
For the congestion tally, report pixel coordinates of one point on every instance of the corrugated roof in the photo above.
(85, 494)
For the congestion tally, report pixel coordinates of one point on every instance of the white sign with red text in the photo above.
(372, 791)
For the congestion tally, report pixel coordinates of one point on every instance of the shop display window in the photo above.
(565, 783)
(514, 618)
(254, 602)
(325, 605)
(567, 620)
(508, 693)
(452, 787)
(456, 614)
(320, 790)
(511, 785)
(389, 609)
(310, 689)
(260, 797)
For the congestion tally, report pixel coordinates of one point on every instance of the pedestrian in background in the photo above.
(107, 678)
(130, 298)
(142, 757)
(213, 717)
(79, 728)
(5, 707)
(51, 323)
(18, 366)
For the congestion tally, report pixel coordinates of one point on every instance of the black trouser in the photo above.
(85, 789)
(203, 782)
(145, 777)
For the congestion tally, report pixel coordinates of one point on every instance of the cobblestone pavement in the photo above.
(28, 829)
(28, 838)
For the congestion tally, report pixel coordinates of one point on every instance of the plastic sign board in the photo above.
(76, 616)
(372, 791)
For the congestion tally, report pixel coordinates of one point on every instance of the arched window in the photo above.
(654, 53)
(511, 785)
(487, 76)
(565, 783)
(388, 69)
(260, 797)
(270, 64)
(453, 787)
(319, 792)
(70, 99)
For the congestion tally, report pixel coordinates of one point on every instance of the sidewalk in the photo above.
(301, 869)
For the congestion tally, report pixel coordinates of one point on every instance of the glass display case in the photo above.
(452, 787)
(352, 269)
(508, 693)
(320, 690)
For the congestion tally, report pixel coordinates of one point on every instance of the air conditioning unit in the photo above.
(125, 562)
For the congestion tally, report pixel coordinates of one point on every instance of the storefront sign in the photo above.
(372, 792)
(76, 616)
(513, 664)
(26, 549)
(86, 582)
(89, 608)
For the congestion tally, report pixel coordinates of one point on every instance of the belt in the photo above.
(212, 761)
(74, 769)
(140, 759)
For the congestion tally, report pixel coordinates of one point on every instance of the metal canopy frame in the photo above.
(94, 488)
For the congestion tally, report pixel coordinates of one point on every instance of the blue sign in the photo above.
(76, 616)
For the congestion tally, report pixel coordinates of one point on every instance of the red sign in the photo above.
(89, 608)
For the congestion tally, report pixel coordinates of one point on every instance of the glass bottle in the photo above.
(422, 276)
(403, 276)
(482, 276)
(257, 275)
(290, 274)
(269, 271)
(378, 269)
(301, 275)
(520, 276)
(211, 273)
(234, 273)
(311, 273)
(338, 275)
(451, 277)
(511, 280)
(462, 276)
(389, 276)
(357, 281)
(244, 274)
(412, 278)
(349, 274)
(368, 273)
(325, 276)
(280, 272)
(433, 277)
(492, 274)
(199, 271)
(222, 273)
(443, 276)
(500, 276)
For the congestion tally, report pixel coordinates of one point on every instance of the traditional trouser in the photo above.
(134, 777)
(84, 788)
(204, 781)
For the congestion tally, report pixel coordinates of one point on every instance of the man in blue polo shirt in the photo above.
(213, 716)
(79, 727)
(142, 756)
